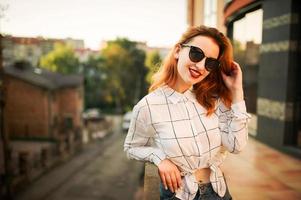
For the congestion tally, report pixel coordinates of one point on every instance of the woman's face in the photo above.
(190, 73)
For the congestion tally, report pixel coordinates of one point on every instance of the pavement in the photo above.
(100, 171)
(263, 173)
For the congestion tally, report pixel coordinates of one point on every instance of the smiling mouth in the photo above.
(194, 73)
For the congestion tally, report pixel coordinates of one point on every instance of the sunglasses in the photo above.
(196, 55)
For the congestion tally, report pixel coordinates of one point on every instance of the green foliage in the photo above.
(152, 62)
(62, 59)
(95, 77)
(124, 66)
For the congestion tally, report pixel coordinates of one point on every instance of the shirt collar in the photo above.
(176, 97)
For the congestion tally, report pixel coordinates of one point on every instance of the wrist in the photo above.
(237, 96)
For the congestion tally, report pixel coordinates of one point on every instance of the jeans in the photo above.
(205, 192)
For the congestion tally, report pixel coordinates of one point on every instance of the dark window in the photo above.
(247, 37)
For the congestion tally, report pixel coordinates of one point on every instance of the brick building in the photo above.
(42, 119)
(41, 104)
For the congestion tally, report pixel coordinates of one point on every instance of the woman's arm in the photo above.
(138, 141)
(138, 146)
(233, 122)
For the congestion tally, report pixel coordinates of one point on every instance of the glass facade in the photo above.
(297, 119)
(210, 13)
(247, 37)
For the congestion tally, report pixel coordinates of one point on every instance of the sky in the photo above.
(160, 23)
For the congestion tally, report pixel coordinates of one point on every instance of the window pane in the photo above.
(247, 37)
(210, 16)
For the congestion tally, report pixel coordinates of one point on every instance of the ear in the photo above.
(177, 52)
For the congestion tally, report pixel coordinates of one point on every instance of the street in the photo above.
(100, 171)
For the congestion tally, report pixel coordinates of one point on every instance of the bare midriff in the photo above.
(202, 175)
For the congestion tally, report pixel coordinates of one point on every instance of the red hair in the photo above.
(212, 87)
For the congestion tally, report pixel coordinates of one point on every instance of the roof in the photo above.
(43, 78)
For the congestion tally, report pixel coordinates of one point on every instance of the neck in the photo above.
(180, 87)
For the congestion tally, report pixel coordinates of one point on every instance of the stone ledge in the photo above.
(151, 182)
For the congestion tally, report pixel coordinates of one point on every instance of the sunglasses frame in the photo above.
(197, 49)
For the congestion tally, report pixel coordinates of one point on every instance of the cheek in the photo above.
(182, 68)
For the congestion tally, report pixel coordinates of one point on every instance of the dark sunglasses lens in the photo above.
(211, 64)
(195, 54)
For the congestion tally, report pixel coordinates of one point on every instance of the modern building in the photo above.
(266, 37)
(83, 54)
(163, 51)
(31, 49)
(206, 12)
(3, 144)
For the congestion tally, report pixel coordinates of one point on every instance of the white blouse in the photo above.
(172, 125)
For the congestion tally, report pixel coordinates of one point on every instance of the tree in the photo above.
(95, 77)
(61, 59)
(152, 62)
(125, 69)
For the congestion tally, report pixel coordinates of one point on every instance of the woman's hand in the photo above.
(170, 175)
(234, 82)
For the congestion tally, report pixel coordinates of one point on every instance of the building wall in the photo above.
(31, 49)
(70, 104)
(26, 113)
(54, 114)
(279, 67)
(34, 112)
(278, 103)
(236, 6)
(2, 171)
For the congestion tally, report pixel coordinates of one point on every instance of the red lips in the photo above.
(194, 73)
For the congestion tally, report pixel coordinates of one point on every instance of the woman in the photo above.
(193, 115)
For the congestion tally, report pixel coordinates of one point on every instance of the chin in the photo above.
(192, 82)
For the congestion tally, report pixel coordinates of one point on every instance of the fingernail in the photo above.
(166, 188)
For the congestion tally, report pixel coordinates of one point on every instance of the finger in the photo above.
(169, 183)
(174, 181)
(179, 179)
(225, 76)
(236, 66)
(163, 179)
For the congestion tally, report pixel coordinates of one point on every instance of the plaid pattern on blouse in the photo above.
(169, 124)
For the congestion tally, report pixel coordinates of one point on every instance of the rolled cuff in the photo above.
(158, 156)
(239, 107)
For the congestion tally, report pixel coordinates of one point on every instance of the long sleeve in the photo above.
(139, 140)
(233, 124)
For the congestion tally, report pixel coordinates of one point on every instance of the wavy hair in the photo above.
(210, 88)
